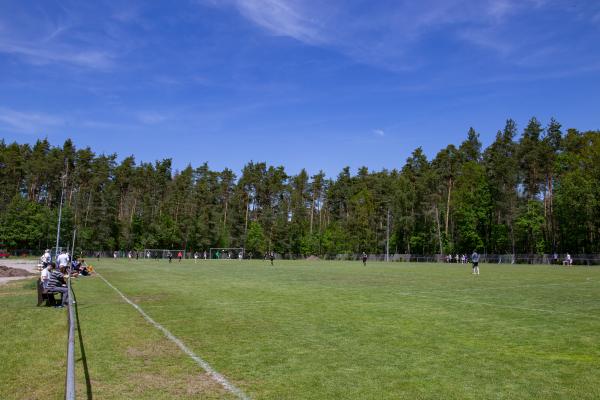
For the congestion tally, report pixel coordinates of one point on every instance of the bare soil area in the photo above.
(17, 269)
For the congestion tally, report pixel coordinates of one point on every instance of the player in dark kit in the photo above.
(170, 256)
(271, 257)
(364, 258)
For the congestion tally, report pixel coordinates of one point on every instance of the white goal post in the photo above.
(227, 253)
(162, 253)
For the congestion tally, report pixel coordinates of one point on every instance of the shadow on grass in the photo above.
(86, 372)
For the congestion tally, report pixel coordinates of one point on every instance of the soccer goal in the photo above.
(227, 253)
(162, 253)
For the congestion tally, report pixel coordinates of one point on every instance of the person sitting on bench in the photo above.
(42, 287)
(57, 284)
(45, 275)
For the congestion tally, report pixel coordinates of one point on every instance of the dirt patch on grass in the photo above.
(201, 383)
(171, 382)
(149, 350)
(179, 386)
(148, 298)
(9, 272)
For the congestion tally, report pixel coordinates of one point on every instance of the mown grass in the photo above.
(321, 330)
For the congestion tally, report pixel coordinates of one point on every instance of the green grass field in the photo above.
(313, 330)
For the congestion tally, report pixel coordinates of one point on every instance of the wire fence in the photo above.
(558, 259)
(549, 259)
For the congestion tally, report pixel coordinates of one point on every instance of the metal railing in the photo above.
(70, 378)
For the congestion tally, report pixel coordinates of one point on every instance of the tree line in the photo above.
(533, 192)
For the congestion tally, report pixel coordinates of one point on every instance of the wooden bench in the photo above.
(44, 295)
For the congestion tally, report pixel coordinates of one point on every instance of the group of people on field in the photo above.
(463, 260)
(197, 256)
(54, 274)
(457, 258)
(568, 260)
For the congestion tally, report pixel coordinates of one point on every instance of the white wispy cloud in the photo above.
(379, 132)
(151, 117)
(42, 54)
(386, 36)
(57, 37)
(284, 17)
(28, 122)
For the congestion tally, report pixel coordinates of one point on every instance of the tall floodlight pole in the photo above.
(387, 240)
(73, 244)
(62, 195)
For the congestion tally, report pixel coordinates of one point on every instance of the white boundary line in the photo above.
(203, 364)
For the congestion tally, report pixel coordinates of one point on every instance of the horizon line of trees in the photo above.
(537, 192)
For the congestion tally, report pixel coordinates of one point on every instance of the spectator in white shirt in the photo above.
(45, 275)
(46, 257)
(63, 259)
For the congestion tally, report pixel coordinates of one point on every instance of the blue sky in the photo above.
(299, 83)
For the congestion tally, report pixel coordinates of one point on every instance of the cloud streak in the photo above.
(38, 37)
(283, 17)
(386, 36)
(41, 55)
(28, 122)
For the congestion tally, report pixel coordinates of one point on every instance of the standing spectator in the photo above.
(475, 261)
(46, 257)
(205, 254)
(179, 256)
(62, 260)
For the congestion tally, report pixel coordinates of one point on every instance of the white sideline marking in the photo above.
(205, 366)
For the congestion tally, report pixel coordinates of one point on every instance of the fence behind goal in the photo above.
(234, 253)
(162, 253)
(226, 253)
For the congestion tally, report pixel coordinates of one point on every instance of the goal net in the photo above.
(162, 253)
(227, 253)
